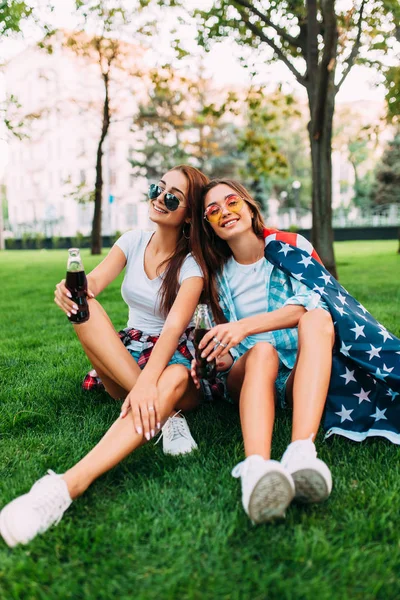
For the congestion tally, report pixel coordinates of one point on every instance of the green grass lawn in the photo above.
(157, 527)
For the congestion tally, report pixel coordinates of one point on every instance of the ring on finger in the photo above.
(151, 408)
(223, 345)
(216, 340)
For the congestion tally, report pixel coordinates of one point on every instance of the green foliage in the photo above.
(12, 14)
(179, 123)
(39, 240)
(392, 83)
(78, 239)
(363, 190)
(386, 188)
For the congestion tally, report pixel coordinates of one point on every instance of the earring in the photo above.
(186, 234)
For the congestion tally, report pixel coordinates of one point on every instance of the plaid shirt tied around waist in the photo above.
(185, 345)
(127, 336)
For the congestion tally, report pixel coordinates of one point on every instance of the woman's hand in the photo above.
(220, 339)
(222, 365)
(142, 400)
(63, 298)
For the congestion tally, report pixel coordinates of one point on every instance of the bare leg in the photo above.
(109, 357)
(253, 378)
(308, 383)
(175, 388)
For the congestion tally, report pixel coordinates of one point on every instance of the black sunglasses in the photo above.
(171, 202)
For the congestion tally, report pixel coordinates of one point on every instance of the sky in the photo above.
(221, 63)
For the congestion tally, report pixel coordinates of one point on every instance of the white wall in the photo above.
(61, 150)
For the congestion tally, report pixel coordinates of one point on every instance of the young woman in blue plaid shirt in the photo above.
(284, 338)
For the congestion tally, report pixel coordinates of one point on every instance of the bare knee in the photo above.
(262, 353)
(178, 377)
(317, 321)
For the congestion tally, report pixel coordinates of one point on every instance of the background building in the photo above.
(55, 164)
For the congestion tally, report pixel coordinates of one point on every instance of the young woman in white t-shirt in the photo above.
(162, 287)
(284, 334)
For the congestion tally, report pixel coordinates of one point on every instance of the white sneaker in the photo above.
(267, 488)
(176, 436)
(43, 506)
(312, 477)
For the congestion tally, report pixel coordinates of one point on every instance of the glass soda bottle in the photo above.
(205, 369)
(76, 283)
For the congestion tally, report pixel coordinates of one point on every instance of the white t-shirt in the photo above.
(141, 293)
(247, 284)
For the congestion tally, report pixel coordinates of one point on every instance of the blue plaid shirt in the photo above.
(281, 290)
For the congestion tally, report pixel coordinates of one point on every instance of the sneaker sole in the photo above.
(312, 485)
(189, 451)
(5, 533)
(270, 498)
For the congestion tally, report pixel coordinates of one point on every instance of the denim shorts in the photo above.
(176, 359)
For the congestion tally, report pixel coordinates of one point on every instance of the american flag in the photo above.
(364, 393)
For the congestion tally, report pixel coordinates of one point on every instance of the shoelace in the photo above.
(242, 468)
(49, 500)
(301, 449)
(239, 469)
(174, 428)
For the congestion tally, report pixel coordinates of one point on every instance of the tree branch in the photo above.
(356, 47)
(282, 32)
(274, 47)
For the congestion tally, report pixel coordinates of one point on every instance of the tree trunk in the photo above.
(321, 159)
(96, 224)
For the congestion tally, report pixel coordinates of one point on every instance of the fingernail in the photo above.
(203, 355)
(68, 314)
(121, 415)
(152, 433)
(75, 307)
(92, 295)
(158, 425)
(139, 430)
(74, 311)
(147, 435)
(69, 294)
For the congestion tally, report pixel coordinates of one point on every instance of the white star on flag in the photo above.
(380, 375)
(373, 352)
(345, 349)
(327, 279)
(358, 330)
(285, 248)
(362, 308)
(344, 414)
(385, 368)
(306, 261)
(362, 317)
(340, 310)
(319, 290)
(392, 393)
(348, 376)
(379, 414)
(363, 395)
(341, 298)
(384, 332)
(298, 276)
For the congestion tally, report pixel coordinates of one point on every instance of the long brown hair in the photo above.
(170, 281)
(216, 251)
